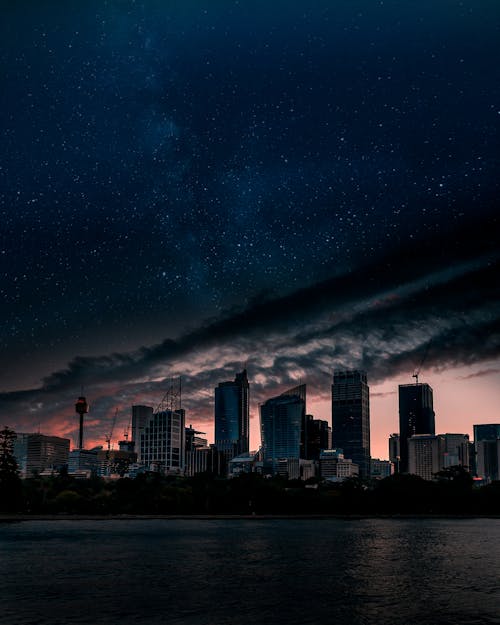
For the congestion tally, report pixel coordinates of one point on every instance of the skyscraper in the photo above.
(416, 416)
(487, 450)
(282, 421)
(425, 455)
(394, 451)
(456, 450)
(351, 417)
(487, 432)
(162, 441)
(141, 415)
(196, 452)
(318, 436)
(232, 417)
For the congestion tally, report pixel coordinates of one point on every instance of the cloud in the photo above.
(481, 374)
(384, 317)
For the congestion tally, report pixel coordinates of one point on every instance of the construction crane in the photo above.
(417, 371)
(109, 436)
(126, 431)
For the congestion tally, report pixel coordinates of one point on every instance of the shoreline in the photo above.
(13, 518)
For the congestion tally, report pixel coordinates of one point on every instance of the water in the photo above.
(238, 572)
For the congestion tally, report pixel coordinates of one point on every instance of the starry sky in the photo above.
(189, 186)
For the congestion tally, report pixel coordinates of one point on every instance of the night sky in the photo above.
(189, 186)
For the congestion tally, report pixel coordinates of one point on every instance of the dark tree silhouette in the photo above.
(10, 483)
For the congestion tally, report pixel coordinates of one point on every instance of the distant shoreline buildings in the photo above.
(295, 445)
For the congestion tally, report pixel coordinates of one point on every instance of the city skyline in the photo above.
(189, 190)
(130, 417)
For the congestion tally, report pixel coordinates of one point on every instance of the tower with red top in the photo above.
(81, 408)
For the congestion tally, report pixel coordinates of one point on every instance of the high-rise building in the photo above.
(141, 416)
(37, 452)
(197, 452)
(472, 457)
(456, 450)
(162, 442)
(487, 450)
(282, 420)
(351, 417)
(394, 451)
(318, 436)
(232, 417)
(194, 440)
(416, 416)
(487, 432)
(488, 460)
(425, 455)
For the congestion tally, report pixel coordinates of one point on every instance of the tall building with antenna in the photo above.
(416, 416)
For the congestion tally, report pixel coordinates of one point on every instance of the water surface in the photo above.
(238, 572)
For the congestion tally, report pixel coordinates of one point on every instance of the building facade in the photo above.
(425, 455)
(394, 451)
(141, 416)
(333, 466)
(37, 452)
(115, 462)
(318, 436)
(486, 432)
(162, 446)
(282, 421)
(487, 451)
(416, 416)
(197, 452)
(381, 469)
(232, 416)
(456, 450)
(351, 417)
(84, 462)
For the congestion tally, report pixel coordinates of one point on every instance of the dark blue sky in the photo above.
(166, 163)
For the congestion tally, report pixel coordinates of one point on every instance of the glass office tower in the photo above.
(282, 421)
(416, 416)
(351, 417)
(232, 416)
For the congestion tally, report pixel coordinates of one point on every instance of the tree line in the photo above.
(452, 493)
